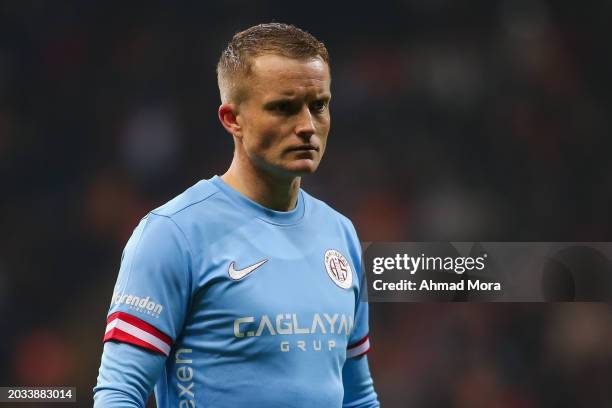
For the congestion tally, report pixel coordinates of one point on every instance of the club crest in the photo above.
(338, 268)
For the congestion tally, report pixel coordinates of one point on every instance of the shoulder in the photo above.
(165, 231)
(323, 212)
(320, 208)
(341, 227)
(200, 213)
(195, 196)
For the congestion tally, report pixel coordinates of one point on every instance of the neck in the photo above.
(272, 191)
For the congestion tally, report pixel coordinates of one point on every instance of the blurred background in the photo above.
(486, 120)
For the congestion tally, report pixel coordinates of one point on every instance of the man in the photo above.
(244, 290)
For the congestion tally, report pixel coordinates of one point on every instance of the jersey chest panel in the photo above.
(286, 305)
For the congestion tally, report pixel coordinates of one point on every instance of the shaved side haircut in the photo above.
(272, 38)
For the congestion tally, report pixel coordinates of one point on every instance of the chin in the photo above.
(301, 167)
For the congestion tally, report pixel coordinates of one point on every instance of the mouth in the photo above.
(304, 148)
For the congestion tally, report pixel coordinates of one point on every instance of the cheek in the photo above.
(263, 135)
(323, 132)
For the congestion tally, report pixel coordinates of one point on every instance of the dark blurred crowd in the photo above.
(478, 121)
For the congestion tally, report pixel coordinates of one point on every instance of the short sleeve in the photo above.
(152, 294)
(359, 342)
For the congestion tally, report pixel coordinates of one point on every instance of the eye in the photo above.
(318, 106)
(282, 107)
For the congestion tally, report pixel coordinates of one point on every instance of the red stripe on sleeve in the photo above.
(141, 324)
(362, 353)
(121, 336)
(359, 343)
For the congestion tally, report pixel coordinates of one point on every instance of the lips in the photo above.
(303, 148)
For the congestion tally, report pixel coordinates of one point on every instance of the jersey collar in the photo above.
(265, 214)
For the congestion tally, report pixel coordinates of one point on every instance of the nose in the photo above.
(305, 126)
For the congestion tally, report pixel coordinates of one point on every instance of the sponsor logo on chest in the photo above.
(321, 331)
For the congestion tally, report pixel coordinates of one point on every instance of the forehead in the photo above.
(276, 74)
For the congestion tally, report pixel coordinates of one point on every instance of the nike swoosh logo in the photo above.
(237, 274)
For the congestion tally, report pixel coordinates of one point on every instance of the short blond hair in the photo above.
(272, 38)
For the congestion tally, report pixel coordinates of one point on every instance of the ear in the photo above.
(228, 113)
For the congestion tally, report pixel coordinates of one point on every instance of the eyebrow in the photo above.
(285, 99)
(291, 92)
(289, 96)
(278, 101)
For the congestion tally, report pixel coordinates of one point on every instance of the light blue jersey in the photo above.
(221, 302)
